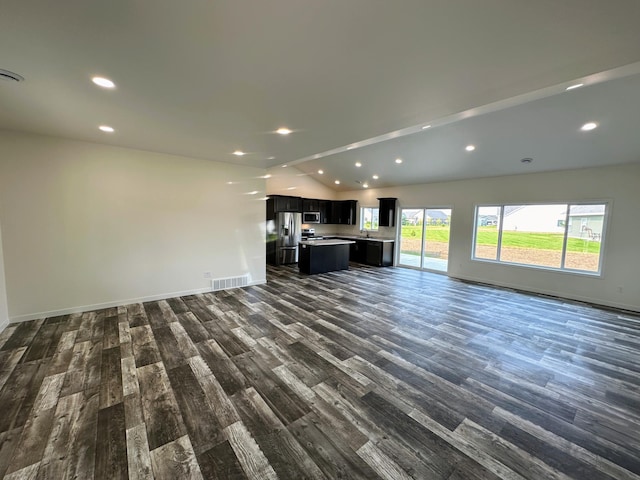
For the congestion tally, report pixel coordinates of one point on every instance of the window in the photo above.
(424, 238)
(559, 236)
(369, 218)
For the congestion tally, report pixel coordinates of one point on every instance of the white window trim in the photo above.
(605, 230)
(361, 222)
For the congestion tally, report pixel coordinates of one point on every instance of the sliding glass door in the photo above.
(424, 239)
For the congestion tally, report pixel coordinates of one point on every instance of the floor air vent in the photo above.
(229, 282)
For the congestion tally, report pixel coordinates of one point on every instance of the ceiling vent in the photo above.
(10, 76)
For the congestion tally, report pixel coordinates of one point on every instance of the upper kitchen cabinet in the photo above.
(387, 213)
(336, 212)
(310, 205)
(324, 207)
(283, 203)
(343, 212)
(349, 209)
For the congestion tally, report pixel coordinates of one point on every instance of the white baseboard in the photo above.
(116, 303)
(3, 324)
(552, 293)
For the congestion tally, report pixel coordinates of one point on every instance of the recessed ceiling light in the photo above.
(337, 182)
(358, 164)
(470, 148)
(229, 183)
(320, 172)
(527, 160)
(271, 158)
(292, 188)
(365, 185)
(252, 193)
(375, 177)
(283, 131)
(268, 175)
(106, 128)
(577, 85)
(350, 147)
(103, 82)
(285, 166)
(398, 160)
(588, 126)
(426, 126)
(239, 153)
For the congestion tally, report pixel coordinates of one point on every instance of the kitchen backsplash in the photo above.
(323, 229)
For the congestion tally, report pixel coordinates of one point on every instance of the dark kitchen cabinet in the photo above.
(323, 258)
(379, 254)
(358, 251)
(324, 207)
(310, 205)
(340, 212)
(336, 212)
(349, 209)
(372, 252)
(343, 212)
(283, 203)
(387, 214)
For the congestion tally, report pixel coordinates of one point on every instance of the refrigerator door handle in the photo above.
(292, 228)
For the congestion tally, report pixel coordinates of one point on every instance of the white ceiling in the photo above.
(205, 78)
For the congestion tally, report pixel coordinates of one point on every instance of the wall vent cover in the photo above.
(229, 282)
(10, 76)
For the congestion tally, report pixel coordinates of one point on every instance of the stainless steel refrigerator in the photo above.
(288, 230)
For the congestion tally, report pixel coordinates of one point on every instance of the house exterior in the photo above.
(434, 217)
(586, 221)
(412, 217)
(533, 218)
(437, 217)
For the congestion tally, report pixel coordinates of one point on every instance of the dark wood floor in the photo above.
(368, 373)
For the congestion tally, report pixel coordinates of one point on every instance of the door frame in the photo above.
(423, 239)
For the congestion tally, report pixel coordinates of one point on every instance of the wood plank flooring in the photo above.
(367, 373)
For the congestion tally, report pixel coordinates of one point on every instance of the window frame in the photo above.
(562, 269)
(361, 222)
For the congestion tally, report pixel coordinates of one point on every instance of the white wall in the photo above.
(4, 312)
(291, 181)
(87, 225)
(621, 268)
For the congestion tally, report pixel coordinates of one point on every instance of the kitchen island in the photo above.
(376, 252)
(320, 256)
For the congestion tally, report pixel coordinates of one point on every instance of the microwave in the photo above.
(311, 217)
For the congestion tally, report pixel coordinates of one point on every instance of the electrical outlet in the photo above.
(207, 275)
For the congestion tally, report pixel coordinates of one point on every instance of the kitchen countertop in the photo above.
(372, 239)
(328, 241)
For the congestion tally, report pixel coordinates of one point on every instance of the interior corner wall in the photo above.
(87, 225)
(291, 181)
(617, 287)
(4, 311)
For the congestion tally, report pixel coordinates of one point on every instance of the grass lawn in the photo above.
(489, 236)
(434, 233)
(545, 241)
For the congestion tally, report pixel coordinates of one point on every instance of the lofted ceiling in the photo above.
(204, 79)
(546, 131)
